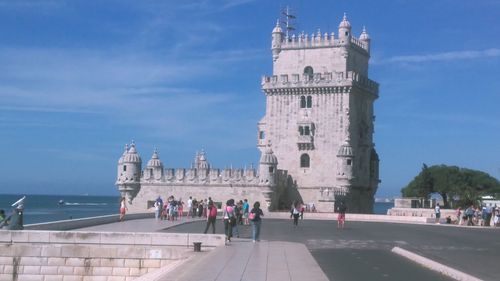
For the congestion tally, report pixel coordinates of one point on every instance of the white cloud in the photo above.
(444, 56)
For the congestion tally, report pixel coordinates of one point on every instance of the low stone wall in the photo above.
(352, 217)
(84, 222)
(419, 212)
(81, 256)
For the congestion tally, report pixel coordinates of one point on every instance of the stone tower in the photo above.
(129, 173)
(319, 116)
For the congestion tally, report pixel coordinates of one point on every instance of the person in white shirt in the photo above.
(437, 211)
(190, 206)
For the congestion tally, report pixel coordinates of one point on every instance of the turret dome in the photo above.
(364, 35)
(132, 156)
(277, 28)
(202, 162)
(120, 161)
(155, 160)
(345, 23)
(268, 157)
(345, 150)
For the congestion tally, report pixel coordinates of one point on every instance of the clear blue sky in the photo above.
(79, 79)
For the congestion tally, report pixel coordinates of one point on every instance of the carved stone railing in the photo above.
(209, 176)
(318, 40)
(319, 80)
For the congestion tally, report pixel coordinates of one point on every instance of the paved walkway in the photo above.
(241, 259)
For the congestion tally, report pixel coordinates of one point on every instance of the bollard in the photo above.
(197, 246)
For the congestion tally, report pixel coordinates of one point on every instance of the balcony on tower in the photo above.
(305, 137)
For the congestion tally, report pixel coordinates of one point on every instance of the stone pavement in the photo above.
(241, 259)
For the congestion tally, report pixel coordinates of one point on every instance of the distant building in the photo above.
(316, 138)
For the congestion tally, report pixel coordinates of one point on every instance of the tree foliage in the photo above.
(453, 183)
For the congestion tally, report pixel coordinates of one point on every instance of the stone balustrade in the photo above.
(326, 79)
(318, 40)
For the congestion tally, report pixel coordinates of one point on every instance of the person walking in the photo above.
(341, 209)
(295, 213)
(190, 207)
(469, 212)
(437, 212)
(158, 209)
(212, 217)
(246, 210)
(255, 217)
(237, 215)
(229, 219)
(123, 208)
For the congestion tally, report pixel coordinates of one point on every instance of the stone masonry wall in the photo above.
(82, 256)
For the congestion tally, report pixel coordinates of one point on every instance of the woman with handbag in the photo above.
(229, 219)
(255, 217)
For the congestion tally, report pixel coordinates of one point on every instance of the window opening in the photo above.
(302, 102)
(304, 161)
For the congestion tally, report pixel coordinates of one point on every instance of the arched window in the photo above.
(262, 135)
(303, 102)
(309, 72)
(304, 161)
(309, 102)
(124, 168)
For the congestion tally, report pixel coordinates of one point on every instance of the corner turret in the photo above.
(345, 31)
(129, 180)
(365, 38)
(154, 169)
(267, 167)
(277, 39)
(345, 165)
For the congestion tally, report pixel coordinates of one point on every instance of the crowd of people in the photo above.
(234, 214)
(484, 216)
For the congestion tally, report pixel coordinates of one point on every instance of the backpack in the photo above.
(213, 212)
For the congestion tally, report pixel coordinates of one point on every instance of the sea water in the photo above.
(45, 208)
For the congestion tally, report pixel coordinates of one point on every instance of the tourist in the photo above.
(240, 212)
(228, 218)
(469, 212)
(237, 215)
(341, 217)
(246, 210)
(212, 217)
(123, 208)
(437, 212)
(295, 213)
(459, 215)
(164, 212)
(255, 217)
(497, 218)
(302, 209)
(190, 207)
(158, 210)
(180, 208)
(205, 208)
(200, 208)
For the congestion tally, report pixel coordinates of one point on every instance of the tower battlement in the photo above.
(317, 82)
(318, 40)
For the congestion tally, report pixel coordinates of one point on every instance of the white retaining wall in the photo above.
(81, 256)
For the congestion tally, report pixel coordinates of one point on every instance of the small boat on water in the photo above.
(61, 202)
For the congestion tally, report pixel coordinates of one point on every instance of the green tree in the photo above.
(421, 186)
(453, 183)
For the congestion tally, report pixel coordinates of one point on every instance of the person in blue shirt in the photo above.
(246, 210)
